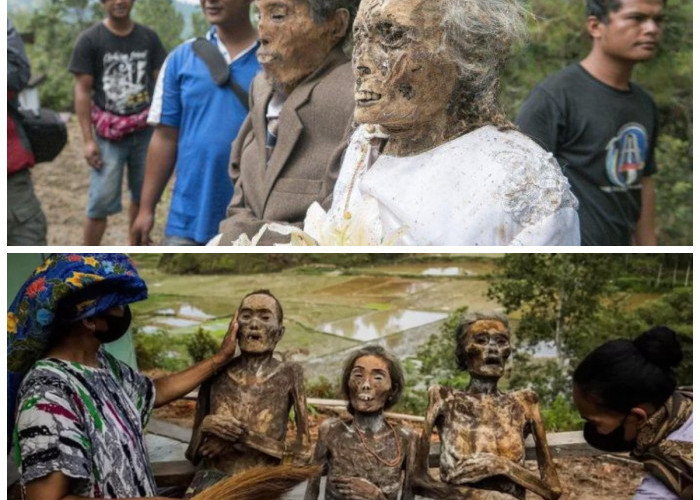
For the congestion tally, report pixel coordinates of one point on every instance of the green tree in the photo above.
(200, 25)
(162, 17)
(55, 25)
(201, 345)
(556, 294)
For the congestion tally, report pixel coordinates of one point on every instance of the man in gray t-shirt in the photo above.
(601, 127)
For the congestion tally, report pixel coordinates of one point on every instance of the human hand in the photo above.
(479, 466)
(357, 488)
(228, 346)
(223, 427)
(139, 233)
(91, 152)
(213, 446)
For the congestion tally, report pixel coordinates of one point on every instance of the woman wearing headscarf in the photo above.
(81, 413)
(626, 391)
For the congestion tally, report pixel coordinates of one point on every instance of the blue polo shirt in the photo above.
(207, 118)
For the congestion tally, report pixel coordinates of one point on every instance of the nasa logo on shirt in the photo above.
(626, 155)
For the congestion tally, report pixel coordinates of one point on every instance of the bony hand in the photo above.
(223, 427)
(91, 152)
(228, 346)
(213, 446)
(357, 488)
(479, 466)
(141, 229)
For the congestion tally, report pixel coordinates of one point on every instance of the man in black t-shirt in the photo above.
(115, 63)
(601, 127)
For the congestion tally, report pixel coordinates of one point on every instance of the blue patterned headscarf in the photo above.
(64, 289)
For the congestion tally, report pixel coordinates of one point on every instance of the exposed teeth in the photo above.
(366, 95)
(365, 397)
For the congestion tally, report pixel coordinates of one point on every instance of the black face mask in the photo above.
(613, 442)
(117, 326)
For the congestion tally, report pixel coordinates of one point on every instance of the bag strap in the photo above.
(218, 68)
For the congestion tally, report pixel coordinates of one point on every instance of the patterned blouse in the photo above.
(87, 423)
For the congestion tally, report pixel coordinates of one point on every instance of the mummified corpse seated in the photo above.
(482, 430)
(242, 413)
(367, 458)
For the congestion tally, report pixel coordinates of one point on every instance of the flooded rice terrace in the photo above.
(326, 313)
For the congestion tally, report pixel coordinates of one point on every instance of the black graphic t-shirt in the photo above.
(604, 140)
(122, 66)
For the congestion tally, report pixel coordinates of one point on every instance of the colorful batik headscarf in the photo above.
(668, 460)
(64, 289)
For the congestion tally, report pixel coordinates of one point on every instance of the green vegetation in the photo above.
(201, 345)
(261, 263)
(160, 351)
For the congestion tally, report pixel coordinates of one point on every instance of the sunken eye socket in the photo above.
(391, 36)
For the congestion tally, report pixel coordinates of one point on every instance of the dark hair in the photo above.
(395, 372)
(622, 374)
(322, 10)
(280, 313)
(465, 323)
(601, 8)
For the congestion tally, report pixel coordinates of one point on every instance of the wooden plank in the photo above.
(172, 431)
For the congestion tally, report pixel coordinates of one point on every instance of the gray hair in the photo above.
(322, 10)
(478, 37)
(465, 323)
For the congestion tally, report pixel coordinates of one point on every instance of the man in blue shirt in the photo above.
(196, 120)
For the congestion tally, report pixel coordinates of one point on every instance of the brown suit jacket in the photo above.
(313, 131)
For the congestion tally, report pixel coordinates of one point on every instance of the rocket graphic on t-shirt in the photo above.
(626, 155)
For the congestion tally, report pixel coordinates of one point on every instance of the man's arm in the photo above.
(83, 100)
(56, 486)
(645, 233)
(301, 412)
(160, 163)
(175, 386)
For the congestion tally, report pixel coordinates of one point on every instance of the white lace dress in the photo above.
(486, 187)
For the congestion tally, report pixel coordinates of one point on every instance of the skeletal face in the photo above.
(258, 323)
(369, 384)
(292, 44)
(403, 80)
(487, 344)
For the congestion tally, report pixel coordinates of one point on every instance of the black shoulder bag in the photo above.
(45, 130)
(218, 68)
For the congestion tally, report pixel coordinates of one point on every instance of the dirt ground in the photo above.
(582, 478)
(62, 187)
